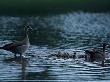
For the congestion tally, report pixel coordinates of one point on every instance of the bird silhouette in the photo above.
(19, 47)
(96, 55)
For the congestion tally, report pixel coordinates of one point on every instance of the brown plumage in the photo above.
(95, 55)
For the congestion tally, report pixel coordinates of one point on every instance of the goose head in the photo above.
(27, 28)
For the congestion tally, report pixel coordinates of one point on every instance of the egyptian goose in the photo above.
(18, 47)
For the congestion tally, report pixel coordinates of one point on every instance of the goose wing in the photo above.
(11, 46)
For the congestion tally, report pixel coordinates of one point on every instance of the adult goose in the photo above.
(95, 55)
(19, 47)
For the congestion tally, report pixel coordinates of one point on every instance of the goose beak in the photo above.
(29, 27)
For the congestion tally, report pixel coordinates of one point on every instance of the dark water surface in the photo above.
(68, 33)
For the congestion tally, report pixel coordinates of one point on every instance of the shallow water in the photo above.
(67, 33)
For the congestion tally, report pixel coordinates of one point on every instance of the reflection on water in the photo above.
(70, 32)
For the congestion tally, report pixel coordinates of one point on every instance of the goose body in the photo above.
(95, 55)
(18, 47)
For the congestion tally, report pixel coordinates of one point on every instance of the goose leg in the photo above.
(15, 56)
(103, 60)
(103, 63)
(21, 56)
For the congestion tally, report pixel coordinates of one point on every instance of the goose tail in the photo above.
(1, 47)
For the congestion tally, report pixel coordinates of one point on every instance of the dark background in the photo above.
(41, 7)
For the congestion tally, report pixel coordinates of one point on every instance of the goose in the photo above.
(95, 55)
(19, 47)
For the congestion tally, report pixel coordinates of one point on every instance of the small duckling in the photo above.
(64, 55)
